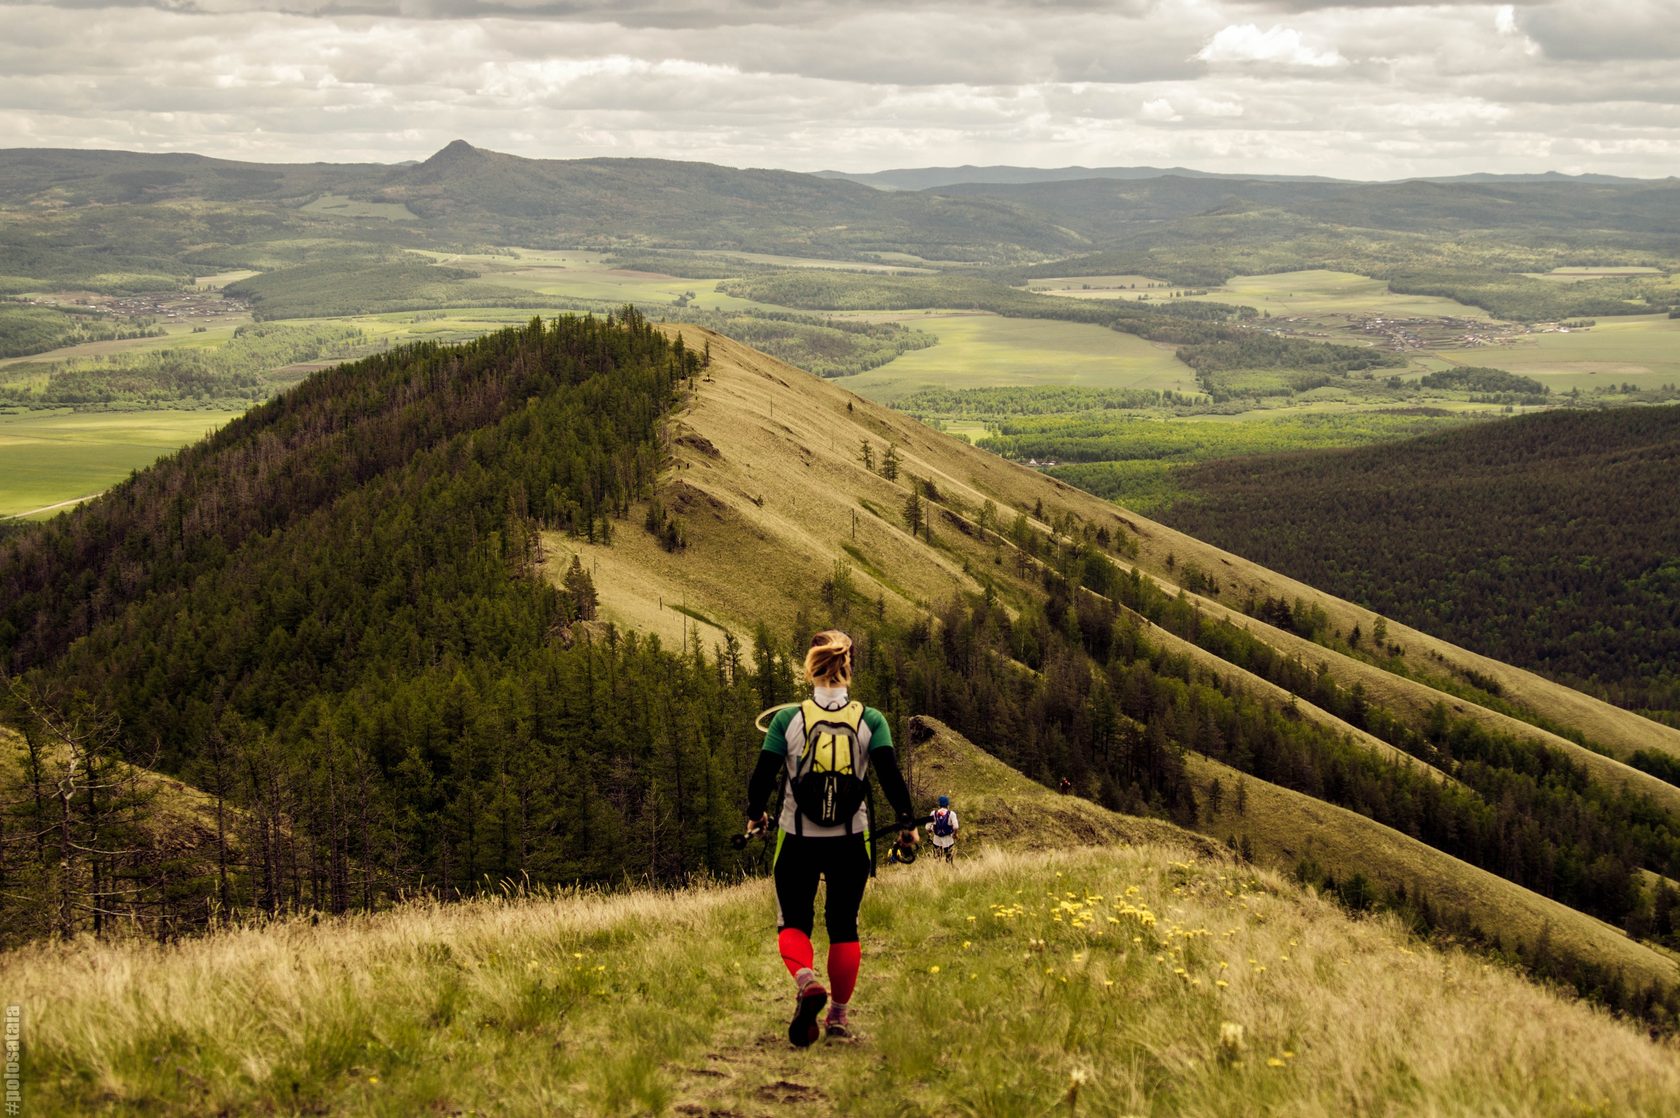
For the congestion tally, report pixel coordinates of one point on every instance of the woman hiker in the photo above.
(822, 752)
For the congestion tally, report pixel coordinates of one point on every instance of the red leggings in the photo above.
(800, 864)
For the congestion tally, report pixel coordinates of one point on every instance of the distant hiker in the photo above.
(943, 827)
(1066, 786)
(822, 752)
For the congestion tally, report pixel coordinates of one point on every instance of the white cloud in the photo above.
(1159, 108)
(1244, 42)
(1375, 90)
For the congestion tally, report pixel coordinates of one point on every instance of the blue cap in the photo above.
(944, 801)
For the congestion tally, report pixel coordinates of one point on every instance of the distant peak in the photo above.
(457, 149)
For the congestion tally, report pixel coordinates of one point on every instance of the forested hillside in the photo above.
(328, 615)
(1546, 541)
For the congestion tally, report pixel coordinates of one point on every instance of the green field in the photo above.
(983, 351)
(908, 264)
(1322, 294)
(1129, 286)
(1576, 275)
(222, 279)
(1313, 294)
(46, 458)
(567, 274)
(177, 336)
(1643, 350)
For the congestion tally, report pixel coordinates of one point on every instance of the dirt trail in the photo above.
(49, 508)
(751, 1071)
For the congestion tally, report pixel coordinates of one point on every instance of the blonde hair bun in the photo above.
(828, 662)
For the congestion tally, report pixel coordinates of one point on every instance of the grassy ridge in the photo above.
(749, 410)
(1100, 980)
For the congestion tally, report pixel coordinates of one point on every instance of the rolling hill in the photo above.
(761, 453)
(371, 615)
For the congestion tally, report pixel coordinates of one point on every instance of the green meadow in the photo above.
(1320, 294)
(50, 457)
(986, 351)
(589, 277)
(1643, 350)
(1577, 275)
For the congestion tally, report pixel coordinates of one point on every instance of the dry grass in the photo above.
(1000, 808)
(1111, 978)
(1287, 827)
(1009, 984)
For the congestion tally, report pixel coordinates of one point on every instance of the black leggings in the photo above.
(843, 861)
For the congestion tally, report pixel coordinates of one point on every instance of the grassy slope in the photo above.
(1618, 731)
(998, 807)
(759, 430)
(759, 414)
(1091, 978)
(1286, 827)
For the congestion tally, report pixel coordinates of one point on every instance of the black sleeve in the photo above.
(763, 782)
(885, 764)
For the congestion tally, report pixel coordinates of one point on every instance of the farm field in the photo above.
(589, 276)
(1576, 275)
(1314, 294)
(1333, 295)
(899, 263)
(46, 458)
(218, 280)
(984, 351)
(1643, 350)
(1100, 287)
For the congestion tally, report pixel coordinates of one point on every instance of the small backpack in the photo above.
(827, 776)
(942, 825)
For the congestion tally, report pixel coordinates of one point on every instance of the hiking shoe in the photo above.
(803, 1030)
(837, 1030)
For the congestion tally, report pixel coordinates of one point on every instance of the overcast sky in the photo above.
(1359, 89)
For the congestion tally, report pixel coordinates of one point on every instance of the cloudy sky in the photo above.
(1359, 89)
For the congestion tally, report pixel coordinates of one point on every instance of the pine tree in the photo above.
(580, 589)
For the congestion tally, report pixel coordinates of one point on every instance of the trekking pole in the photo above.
(739, 842)
(899, 825)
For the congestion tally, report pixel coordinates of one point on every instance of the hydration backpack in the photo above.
(942, 825)
(827, 775)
